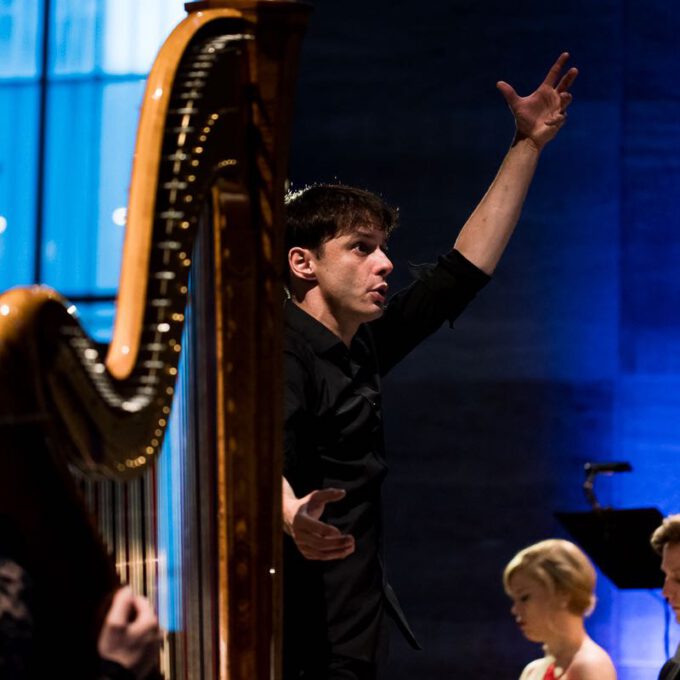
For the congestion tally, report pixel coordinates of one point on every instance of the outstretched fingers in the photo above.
(316, 501)
(553, 75)
(508, 91)
(315, 539)
(567, 79)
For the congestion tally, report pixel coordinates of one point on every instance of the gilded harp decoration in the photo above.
(199, 300)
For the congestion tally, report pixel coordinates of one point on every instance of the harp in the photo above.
(82, 427)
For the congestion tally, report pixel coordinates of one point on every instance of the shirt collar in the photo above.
(319, 337)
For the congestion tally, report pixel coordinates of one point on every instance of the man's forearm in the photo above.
(487, 231)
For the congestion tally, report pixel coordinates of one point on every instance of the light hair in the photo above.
(668, 532)
(562, 568)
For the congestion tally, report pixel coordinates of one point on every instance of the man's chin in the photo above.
(368, 313)
(377, 311)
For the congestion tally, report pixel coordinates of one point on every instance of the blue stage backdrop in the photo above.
(571, 354)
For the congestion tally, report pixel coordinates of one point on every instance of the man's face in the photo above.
(351, 270)
(670, 565)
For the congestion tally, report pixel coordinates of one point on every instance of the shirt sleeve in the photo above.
(294, 409)
(439, 293)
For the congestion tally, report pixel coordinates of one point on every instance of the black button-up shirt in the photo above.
(671, 669)
(334, 438)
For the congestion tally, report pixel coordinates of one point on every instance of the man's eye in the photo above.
(362, 247)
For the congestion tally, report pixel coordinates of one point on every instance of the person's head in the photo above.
(547, 582)
(335, 243)
(320, 212)
(666, 541)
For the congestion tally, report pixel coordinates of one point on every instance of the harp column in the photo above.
(248, 243)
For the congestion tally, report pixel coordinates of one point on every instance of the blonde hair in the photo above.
(562, 568)
(668, 532)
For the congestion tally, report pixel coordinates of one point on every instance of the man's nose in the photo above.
(666, 590)
(385, 265)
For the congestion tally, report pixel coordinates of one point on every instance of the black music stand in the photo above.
(618, 543)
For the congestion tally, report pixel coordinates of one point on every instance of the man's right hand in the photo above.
(315, 539)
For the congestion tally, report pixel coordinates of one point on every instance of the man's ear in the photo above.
(301, 263)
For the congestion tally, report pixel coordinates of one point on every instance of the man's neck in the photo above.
(345, 331)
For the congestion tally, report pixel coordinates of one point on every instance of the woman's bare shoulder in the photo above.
(591, 662)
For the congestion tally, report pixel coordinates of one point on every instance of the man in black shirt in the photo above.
(666, 541)
(341, 336)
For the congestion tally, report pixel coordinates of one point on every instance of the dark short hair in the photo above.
(668, 532)
(320, 212)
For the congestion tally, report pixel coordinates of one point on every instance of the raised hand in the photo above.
(316, 540)
(539, 116)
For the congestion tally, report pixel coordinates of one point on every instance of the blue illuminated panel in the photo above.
(71, 187)
(144, 24)
(20, 38)
(119, 118)
(18, 156)
(74, 35)
(89, 161)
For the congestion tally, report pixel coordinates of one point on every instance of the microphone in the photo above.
(607, 468)
(592, 470)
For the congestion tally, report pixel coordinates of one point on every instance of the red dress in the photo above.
(542, 669)
(550, 673)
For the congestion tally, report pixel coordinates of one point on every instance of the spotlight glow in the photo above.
(119, 216)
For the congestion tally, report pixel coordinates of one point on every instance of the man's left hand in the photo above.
(539, 116)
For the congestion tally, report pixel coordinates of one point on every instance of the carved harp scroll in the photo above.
(209, 169)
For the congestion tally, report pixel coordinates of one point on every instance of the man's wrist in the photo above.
(523, 141)
(288, 513)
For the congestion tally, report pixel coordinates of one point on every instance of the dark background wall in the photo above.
(572, 353)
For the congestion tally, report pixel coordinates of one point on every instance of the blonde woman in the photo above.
(551, 585)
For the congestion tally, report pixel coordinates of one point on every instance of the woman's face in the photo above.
(534, 607)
